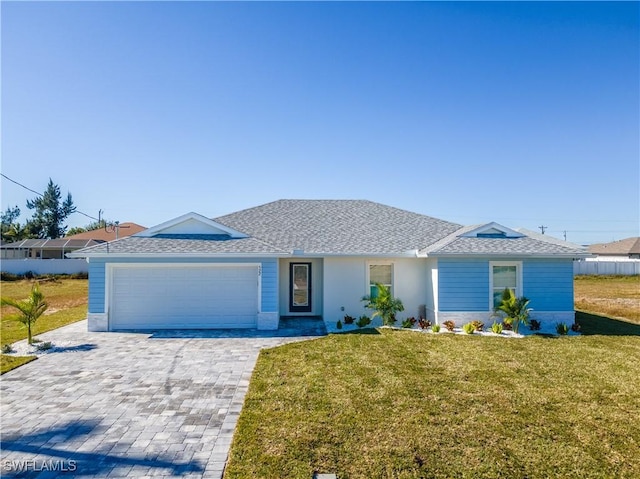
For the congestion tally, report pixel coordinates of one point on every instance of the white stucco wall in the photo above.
(345, 282)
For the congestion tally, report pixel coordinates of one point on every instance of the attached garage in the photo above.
(183, 296)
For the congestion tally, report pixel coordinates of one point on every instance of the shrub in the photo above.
(29, 309)
(449, 325)
(44, 346)
(478, 325)
(468, 328)
(7, 349)
(409, 322)
(79, 276)
(534, 325)
(507, 324)
(514, 308)
(29, 275)
(339, 324)
(575, 327)
(9, 276)
(435, 328)
(348, 319)
(384, 305)
(562, 329)
(424, 323)
(496, 328)
(363, 321)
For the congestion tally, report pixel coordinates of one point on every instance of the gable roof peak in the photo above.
(191, 224)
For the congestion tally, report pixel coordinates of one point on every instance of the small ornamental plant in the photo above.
(468, 328)
(496, 328)
(534, 325)
(384, 304)
(409, 322)
(562, 329)
(424, 323)
(348, 319)
(514, 308)
(507, 324)
(435, 328)
(478, 325)
(450, 325)
(339, 324)
(29, 309)
(575, 327)
(363, 321)
(7, 349)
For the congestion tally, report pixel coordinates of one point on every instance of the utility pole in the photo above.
(543, 228)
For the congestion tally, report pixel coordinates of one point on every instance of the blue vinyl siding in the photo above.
(549, 284)
(463, 284)
(269, 279)
(96, 286)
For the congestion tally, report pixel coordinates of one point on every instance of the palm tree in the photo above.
(29, 309)
(515, 308)
(384, 304)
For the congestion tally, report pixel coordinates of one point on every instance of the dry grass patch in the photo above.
(395, 404)
(616, 296)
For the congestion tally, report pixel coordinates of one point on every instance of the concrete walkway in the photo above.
(132, 404)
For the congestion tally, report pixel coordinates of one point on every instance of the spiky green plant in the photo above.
(496, 327)
(514, 308)
(29, 309)
(384, 305)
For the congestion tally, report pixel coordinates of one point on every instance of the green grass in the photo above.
(397, 404)
(67, 299)
(7, 363)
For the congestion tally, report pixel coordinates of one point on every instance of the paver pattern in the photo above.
(137, 405)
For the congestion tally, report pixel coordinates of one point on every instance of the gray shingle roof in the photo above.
(338, 227)
(531, 244)
(181, 245)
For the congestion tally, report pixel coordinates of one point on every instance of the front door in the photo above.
(300, 287)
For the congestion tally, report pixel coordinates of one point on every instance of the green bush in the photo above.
(409, 322)
(534, 325)
(435, 328)
(44, 346)
(469, 328)
(339, 324)
(562, 329)
(7, 349)
(363, 321)
(496, 327)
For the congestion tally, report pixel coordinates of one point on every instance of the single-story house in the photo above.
(43, 248)
(296, 258)
(625, 249)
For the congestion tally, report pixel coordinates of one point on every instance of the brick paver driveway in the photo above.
(130, 404)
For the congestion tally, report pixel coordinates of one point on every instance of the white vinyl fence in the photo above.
(626, 268)
(44, 266)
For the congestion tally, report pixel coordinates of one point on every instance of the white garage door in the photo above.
(184, 297)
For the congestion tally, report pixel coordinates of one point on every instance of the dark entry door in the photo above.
(300, 287)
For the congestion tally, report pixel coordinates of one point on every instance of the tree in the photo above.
(29, 309)
(12, 230)
(514, 308)
(94, 225)
(384, 304)
(50, 212)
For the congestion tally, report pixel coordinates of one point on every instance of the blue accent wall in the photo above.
(463, 283)
(96, 286)
(269, 279)
(548, 284)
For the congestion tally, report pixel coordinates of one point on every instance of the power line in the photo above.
(40, 194)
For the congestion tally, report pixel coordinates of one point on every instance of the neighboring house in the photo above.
(617, 250)
(43, 248)
(294, 258)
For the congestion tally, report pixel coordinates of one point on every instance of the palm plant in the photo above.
(514, 308)
(29, 309)
(384, 304)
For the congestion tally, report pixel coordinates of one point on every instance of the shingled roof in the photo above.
(332, 227)
(625, 247)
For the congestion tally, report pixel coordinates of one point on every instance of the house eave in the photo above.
(505, 255)
(179, 255)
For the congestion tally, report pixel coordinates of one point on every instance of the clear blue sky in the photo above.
(521, 113)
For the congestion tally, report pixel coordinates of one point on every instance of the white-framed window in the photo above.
(504, 274)
(379, 272)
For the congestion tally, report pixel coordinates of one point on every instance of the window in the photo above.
(504, 275)
(380, 273)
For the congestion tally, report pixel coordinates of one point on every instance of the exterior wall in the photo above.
(316, 286)
(464, 296)
(44, 266)
(345, 283)
(98, 284)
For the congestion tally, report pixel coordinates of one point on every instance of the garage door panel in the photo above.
(184, 297)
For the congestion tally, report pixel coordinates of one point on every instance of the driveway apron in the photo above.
(131, 404)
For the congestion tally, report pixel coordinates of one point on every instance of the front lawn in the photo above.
(399, 404)
(67, 300)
